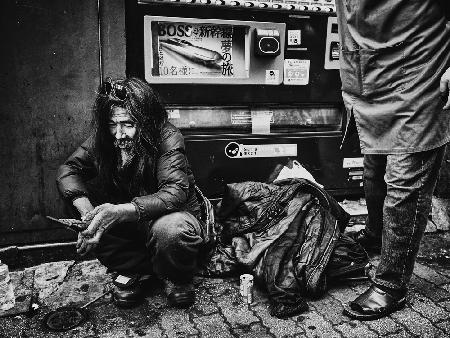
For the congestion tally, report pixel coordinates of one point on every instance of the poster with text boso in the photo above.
(197, 50)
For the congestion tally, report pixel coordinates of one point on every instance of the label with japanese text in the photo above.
(238, 150)
(272, 76)
(294, 37)
(353, 162)
(296, 72)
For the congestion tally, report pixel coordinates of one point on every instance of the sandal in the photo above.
(373, 304)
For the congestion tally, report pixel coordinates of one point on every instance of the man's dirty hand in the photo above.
(82, 246)
(99, 219)
(445, 88)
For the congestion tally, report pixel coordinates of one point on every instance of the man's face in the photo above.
(123, 128)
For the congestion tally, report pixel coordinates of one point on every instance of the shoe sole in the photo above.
(348, 311)
(183, 301)
(125, 304)
(181, 305)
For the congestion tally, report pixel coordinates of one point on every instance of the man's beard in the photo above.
(126, 151)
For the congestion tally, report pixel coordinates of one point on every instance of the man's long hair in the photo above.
(146, 109)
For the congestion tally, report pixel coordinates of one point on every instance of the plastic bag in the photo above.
(297, 171)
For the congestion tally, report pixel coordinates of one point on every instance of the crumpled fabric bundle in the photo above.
(283, 235)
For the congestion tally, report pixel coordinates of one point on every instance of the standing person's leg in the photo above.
(375, 193)
(174, 242)
(410, 180)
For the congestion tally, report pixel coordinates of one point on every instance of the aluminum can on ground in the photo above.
(246, 288)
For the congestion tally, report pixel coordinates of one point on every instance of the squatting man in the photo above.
(146, 220)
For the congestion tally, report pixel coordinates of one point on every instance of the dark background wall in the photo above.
(49, 71)
(49, 74)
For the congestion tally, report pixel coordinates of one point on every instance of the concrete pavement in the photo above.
(219, 311)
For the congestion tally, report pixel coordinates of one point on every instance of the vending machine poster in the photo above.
(196, 50)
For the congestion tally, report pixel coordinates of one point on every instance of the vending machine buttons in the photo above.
(327, 6)
(332, 47)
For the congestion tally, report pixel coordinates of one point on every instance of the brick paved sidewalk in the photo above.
(218, 311)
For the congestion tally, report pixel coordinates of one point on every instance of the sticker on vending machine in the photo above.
(296, 72)
(173, 113)
(294, 37)
(272, 76)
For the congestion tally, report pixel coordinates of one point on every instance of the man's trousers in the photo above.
(168, 247)
(398, 189)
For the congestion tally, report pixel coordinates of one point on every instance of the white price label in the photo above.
(353, 162)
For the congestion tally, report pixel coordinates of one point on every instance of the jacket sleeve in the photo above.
(172, 179)
(79, 168)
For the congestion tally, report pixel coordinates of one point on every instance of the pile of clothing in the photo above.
(289, 235)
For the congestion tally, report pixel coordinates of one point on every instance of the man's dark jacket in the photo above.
(169, 184)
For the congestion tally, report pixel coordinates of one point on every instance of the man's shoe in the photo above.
(368, 242)
(181, 295)
(374, 303)
(129, 290)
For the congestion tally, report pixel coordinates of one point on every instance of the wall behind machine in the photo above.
(50, 74)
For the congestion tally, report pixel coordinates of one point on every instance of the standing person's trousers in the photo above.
(168, 247)
(398, 189)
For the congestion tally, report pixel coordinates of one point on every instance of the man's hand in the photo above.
(100, 219)
(445, 88)
(83, 247)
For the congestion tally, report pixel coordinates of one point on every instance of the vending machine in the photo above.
(251, 84)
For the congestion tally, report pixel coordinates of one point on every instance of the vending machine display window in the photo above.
(286, 119)
(212, 51)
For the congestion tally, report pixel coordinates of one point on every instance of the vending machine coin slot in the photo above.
(332, 47)
(267, 42)
(334, 50)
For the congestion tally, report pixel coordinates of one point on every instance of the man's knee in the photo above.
(173, 228)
